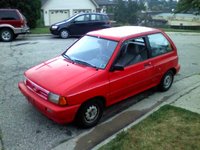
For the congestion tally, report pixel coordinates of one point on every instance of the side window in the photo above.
(95, 17)
(132, 52)
(82, 18)
(159, 44)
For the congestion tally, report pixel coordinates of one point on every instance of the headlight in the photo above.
(57, 99)
(54, 27)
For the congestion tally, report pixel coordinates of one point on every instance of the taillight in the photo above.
(22, 23)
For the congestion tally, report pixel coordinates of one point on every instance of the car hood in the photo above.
(58, 75)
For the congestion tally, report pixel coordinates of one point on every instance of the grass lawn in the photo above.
(168, 128)
(41, 30)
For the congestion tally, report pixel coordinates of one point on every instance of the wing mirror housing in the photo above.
(117, 68)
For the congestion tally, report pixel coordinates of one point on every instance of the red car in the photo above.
(101, 69)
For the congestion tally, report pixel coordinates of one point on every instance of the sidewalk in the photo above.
(184, 93)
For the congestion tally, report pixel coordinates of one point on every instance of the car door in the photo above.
(80, 25)
(162, 55)
(131, 72)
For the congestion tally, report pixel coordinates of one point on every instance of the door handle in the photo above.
(147, 64)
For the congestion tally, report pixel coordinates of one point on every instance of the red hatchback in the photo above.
(101, 69)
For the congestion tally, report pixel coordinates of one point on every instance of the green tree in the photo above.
(188, 5)
(29, 8)
(127, 11)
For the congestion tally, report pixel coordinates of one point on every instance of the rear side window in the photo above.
(159, 44)
(96, 17)
(9, 15)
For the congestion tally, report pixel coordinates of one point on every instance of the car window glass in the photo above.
(82, 18)
(95, 17)
(132, 52)
(92, 50)
(9, 15)
(159, 44)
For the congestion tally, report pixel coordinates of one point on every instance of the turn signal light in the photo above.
(62, 101)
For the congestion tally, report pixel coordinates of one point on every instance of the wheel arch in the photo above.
(100, 99)
(7, 27)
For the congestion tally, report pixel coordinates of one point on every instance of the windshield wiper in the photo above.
(84, 63)
(66, 56)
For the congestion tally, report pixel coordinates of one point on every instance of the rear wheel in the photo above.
(6, 35)
(89, 114)
(64, 34)
(166, 81)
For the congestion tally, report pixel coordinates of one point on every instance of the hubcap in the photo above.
(64, 34)
(91, 113)
(167, 81)
(6, 35)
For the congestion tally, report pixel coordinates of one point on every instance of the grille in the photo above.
(37, 89)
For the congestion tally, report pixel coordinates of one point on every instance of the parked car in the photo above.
(99, 70)
(12, 23)
(80, 24)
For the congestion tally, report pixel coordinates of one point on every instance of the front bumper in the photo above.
(54, 31)
(57, 113)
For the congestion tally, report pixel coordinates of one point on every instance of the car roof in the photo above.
(6, 9)
(96, 13)
(123, 32)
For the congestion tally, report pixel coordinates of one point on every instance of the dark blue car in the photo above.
(80, 24)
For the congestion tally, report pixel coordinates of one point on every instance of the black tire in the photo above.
(64, 34)
(6, 35)
(166, 81)
(89, 114)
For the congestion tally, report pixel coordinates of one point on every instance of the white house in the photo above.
(58, 10)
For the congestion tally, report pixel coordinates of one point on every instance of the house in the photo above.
(58, 10)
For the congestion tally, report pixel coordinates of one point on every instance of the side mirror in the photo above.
(117, 68)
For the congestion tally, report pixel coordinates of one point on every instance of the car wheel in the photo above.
(6, 35)
(64, 34)
(166, 81)
(89, 114)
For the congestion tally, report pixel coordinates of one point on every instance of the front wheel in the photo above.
(64, 34)
(166, 81)
(6, 35)
(89, 114)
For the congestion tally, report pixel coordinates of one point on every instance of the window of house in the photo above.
(159, 44)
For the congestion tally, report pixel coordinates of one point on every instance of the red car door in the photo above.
(137, 72)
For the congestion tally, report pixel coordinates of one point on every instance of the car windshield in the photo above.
(91, 51)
